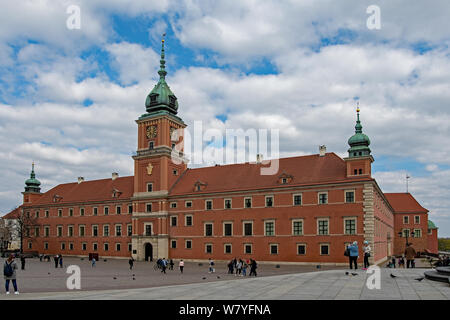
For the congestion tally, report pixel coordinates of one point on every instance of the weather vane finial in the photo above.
(357, 106)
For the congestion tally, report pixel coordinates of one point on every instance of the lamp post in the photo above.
(406, 236)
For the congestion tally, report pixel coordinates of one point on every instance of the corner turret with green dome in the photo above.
(161, 99)
(32, 184)
(359, 142)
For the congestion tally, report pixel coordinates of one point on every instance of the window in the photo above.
(81, 230)
(227, 248)
(151, 145)
(148, 207)
(46, 213)
(148, 229)
(248, 248)
(59, 231)
(130, 208)
(297, 227)
(149, 187)
(208, 229)
(350, 196)
(63, 246)
(36, 231)
(297, 199)
(106, 230)
(283, 180)
(360, 170)
(59, 212)
(188, 204)
(117, 246)
(118, 210)
(269, 201)
(106, 210)
(248, 202)
(248, 228)
(95, 246)
(269, 228)
(208, 204)
(45, 245)
(323, 198)
(301, 249)
(95, 230)
(173, 221)
(417, 233)
(188, 221)
(130, 247)
(84, 246)
(188, 244)
(405, 233)
(71, 212)
(324, 249)
(129, 230)
(118, 230)
(208, 248)
(106, 246)
(95, 211)
(350, 226)
(228, 229)
(175, 172)
(322, 226)
(30, 245)
(71, 246)
(416, 219)
(173, 244)
(36, 214)
(46, 231)
(405, 219)
(70, 231)
(355, 172)
(274, 249)
(227, 203)
(173, 205)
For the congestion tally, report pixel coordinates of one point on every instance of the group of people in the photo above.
(238, 267)
(58, 259)
(164, 263)
(409, 254)
(352, 252)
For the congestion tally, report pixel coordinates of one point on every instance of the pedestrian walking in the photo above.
(93, 262)
(163, 265)
(211, 266)
(244, 268)
(41, 256)
(9, 272)
(367, 251)
(131, 263)
(353, 254)
(230, 267)
(181, 265)
(410, 254)
(253, 266)
(393, 262)
(171, 264)
(60, 260)
(239, 267)
(22, 262)
(56, 258)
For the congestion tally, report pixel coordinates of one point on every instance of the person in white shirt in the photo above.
(367, 251)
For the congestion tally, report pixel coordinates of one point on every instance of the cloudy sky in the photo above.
(69, 97)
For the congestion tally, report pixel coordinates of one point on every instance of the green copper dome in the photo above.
(359, 142)
(161, 98)
(32, 184)
(431, 225)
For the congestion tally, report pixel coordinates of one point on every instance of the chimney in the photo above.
(80, 180)
(322, 150)
(115, 175)
(259, 158)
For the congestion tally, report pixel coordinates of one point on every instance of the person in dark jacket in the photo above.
(22, 262)
(56, 258)
(60, 261)
(253, 267)
(131, 263)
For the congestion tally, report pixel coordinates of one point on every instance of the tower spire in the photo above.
(162, 68)
(359, 142)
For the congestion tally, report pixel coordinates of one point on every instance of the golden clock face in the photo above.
(151, 132)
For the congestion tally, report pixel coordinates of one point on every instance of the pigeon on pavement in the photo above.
(354, 274)
(392, 276)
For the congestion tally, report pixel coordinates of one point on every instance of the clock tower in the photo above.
(158, 163)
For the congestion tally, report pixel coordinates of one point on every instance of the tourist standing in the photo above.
(244, 268)
(171, 264)
(9, 272)
(55, 258)
(367, 251)
(239, 267)
(60, 260)
(353, 254)
(410, 254)
(211, 266)
(93, 262)
(131, 262)
(181, 265)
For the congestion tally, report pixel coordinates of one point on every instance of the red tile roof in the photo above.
(94, 190)
(404, 203)
(305, 170)
(12, 215)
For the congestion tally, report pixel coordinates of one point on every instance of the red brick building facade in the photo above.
(306, 213)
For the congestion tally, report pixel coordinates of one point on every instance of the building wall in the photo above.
(432, 237)
(383, 228)
(419, 243)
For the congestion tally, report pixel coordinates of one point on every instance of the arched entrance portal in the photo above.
(148, 252)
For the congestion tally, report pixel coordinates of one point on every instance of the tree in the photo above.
(25, 225)
(5, 235)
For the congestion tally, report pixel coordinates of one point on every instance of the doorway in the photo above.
(148, 252)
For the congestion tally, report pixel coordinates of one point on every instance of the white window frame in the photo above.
(301, 199)
(70, 226)
(151, 207)
(145, 229)
(251, 248)
(273, 201)
(82, 210)
(106, 208)
(298, 245)
(59, 234)
(407, 218)
(83, 246)
(95, 211)
(120, 246)
(105, 245)
(212, 248)
(345, 195)
(171, 243)
(92, 230)
(206, 204)
(186, 242)
(328, 226)
(225, 250)
(265, 229)
(173, 205)
(212, 229)
(121, 230)
(243, 228)
(415, 219)
(270, 248)
(303, 227)
(318, 196)
(129, 225)
(94, 244)
(356, 225)
(223, 227)
(320, 249)
(176, 221)
(251, 202)
(147, 185)
(117, 207)
(225, 203)
(79, 230)
(109, 230)
(186, 204)
(185, 220)
(415, 233)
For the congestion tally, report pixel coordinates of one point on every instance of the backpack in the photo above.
(347, 252)
(8, 270)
